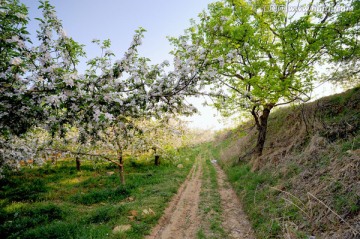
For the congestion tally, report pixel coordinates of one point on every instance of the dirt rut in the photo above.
(181, 219)
(235, 221)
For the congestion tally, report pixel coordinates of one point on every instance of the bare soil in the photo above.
(182, 220)
(235, 221)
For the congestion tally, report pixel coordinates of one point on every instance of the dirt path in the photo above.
(235, 221)
(181, 220)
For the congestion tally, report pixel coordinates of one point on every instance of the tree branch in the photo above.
(86, 154)
(256, 117)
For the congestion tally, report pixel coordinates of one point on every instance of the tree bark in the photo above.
(78, 163)
(261, 123)
(157, 160)
(157, 157)
(121, 169)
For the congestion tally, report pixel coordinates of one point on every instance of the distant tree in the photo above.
(257, 55)
(160, 136)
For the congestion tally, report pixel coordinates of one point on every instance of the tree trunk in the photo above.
(121, 169)
(157, 160)
(157, 157)
(78, 163)
(261, 122)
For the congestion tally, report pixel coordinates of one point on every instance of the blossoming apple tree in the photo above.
(33, 88)
(41, 87)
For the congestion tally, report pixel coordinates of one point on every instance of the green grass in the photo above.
(267, 211)
(265, 194)
(351, 144)
(56, 201)
(210, 200)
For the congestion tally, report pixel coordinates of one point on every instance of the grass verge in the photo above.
(210, 201)
(56, 201)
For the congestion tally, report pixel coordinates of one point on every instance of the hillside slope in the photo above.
(307, 183)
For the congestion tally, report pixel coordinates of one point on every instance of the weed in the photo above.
(200, 234)
(276, 197)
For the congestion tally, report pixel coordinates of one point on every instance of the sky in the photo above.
(117, 20)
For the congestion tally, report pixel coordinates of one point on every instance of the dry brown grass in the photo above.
(305, 146)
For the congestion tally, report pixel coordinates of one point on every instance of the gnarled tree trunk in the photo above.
(261, 124)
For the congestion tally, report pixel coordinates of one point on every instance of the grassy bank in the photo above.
(306, 183)
(56, 201)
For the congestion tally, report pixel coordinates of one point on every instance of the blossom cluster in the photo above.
(41, 87)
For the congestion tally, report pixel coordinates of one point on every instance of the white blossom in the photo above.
(20, 15)
(16, 61)
(63, 33)
(230, 56)
(221, 61)
(224, 18)
(109, 116)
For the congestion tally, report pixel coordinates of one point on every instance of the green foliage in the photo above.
(60, 229)
(345, 201)
(255, 51)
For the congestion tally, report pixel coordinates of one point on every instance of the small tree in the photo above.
(255, 58)
(160, 136)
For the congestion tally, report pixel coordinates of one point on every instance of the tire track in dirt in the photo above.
(235, 221)
(181, 218)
